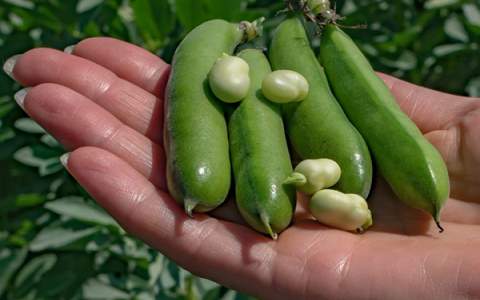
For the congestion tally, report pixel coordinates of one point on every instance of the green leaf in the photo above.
(6, 134)
(50, 141)
(56, 237)
(193, 12)
(53, 276)
(212, 294)
(26, 157)
(85, 5)
(6, 107)
(34, 270)
(406, 61)
(455, 29)
(435, 4)
(28, 125)
(473, 87)
(10, 261)
(472, 13)
(50, 166)
(134, 282)
(155, 20)
(95, 289)
(29, 200)
(21, 3)
(230, 295)
(77, 208)
(33, 156)
(205, 285)
(444, 50)
(147, 295)
(190, 12)
(349, 7)
(155, 268)
(169, 276)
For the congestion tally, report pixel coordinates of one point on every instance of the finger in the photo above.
(132, 105)
(222, 251)
(128, 61)
(461, 212)
(76, 121)
(325, 263)
(308, 260)
(429, 109)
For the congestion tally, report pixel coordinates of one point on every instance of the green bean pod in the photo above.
(260, 157)
(317, 127)
(411, 165)
(196, 138)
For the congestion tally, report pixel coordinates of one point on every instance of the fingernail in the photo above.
(20, 97)
(69, 49)
(10, 64)
(64, 159)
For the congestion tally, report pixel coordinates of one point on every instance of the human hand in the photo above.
(105, 104)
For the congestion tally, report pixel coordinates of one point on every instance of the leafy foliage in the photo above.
(56, 242)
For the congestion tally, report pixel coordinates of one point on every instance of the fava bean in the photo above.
(229, 79)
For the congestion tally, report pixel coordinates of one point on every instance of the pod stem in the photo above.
(252, 29)
(189, 205)
(297, 179)
(266, 223)
(322, 18)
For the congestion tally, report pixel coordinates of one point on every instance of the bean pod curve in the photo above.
(195, 137)
(410, 164)
(260, 157)
(317, 126)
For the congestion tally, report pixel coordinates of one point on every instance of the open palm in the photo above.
(105, 103)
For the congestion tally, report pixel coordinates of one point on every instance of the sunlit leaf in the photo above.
(10, 261)
(28, 125)
(33, 271)
(448, 49)
(53, 276)
(95, 289)
(472, 13)
(455, 29)
(434, 4)
(46, 166)
(77, 208)
(473, 87)
(57, 237)
(85, 5)
(49, 140)
(25, 156)
(406, 61)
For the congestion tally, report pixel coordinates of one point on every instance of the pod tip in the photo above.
(266, 223)
(189, 206)
(436, 217)
(440, 228)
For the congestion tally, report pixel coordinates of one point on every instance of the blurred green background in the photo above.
(55, 243)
